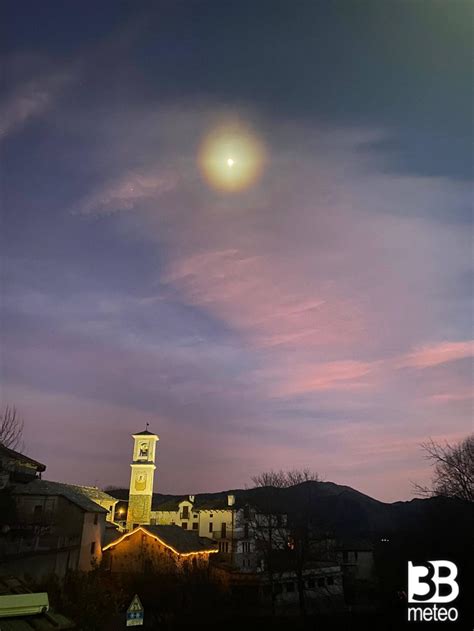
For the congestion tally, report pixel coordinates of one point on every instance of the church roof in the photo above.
(144, 433)
(71, 493)
(180, 541)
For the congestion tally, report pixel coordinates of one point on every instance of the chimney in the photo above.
(230, 500)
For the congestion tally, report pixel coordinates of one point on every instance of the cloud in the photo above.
(436, 354)
(128, 191)
(35, 91)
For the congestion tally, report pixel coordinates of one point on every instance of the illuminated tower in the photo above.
(141, 479)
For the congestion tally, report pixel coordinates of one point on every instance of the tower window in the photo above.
(185, 513)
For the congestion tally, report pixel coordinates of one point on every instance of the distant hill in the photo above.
(345, 511)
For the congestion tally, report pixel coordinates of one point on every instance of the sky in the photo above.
(319, 317)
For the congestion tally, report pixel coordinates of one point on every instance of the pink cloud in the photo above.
(436, 354)
(338, 375)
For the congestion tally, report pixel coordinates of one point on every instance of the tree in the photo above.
(453, 469)
(284, 479)
(11, 429)
(273, 534)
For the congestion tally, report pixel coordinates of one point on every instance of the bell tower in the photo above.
(141, 479)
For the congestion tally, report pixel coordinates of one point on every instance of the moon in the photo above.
(231, 157)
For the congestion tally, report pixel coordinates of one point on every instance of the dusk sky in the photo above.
(319, 316)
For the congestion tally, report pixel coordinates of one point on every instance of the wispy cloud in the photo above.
(436, 354)
(32, 95)
(128, 191)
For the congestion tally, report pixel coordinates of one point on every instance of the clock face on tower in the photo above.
(140, 482)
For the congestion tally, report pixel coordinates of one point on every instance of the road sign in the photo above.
(135, 613)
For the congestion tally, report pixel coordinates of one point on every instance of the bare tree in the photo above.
(453, 469)
(273, 532)
(11, 429)
(284, 479)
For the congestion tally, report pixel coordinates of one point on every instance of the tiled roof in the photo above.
(179, 540)
(94, 493)
(47, 487)
(16, 455)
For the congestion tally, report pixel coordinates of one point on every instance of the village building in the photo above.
(159, 549)
(47, 527)
(16, 467)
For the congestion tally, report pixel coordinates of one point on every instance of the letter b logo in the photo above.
(424, 582)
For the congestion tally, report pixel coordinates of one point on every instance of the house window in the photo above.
(184, 525)
(93, 547)
(185, 514)
(210, 526)
(277, 588)
(355, 555)
(223, 530)
(246, 546)
(290, 587)
(247, 512)
(310, 583)
(223, 546)
(195, 516)
(38, 511)
(195, 525)
(246, 531)
(96, 519)
(330, 580)
(345, 556)
(279, 520)
(320, 582)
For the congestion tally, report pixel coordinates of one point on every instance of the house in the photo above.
(99, 497)
(16, 467)
(356, 557)
(50, 528)
(212, 517)
(158, 548)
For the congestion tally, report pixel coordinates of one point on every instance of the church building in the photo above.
(141, 479)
